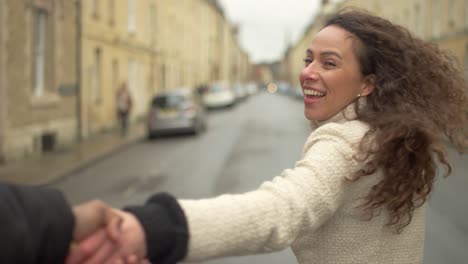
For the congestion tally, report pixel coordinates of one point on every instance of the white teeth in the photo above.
(313, 93)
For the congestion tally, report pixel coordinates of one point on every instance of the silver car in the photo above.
(219, 95)
(176, 111)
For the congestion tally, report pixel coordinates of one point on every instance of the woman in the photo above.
(383, 103)
(124, 107)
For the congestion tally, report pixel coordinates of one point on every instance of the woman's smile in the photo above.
(312, 95)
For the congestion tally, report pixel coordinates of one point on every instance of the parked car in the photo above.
(284, 87)
(240, 91)
(218, 95)
(252, 88)
(176, 111)
(296, 93)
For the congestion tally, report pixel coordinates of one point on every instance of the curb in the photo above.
(80, 166)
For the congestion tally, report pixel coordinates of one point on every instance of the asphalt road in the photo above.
(244, 146)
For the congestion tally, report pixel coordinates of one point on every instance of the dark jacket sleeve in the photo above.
(36, 225)
(165, 227)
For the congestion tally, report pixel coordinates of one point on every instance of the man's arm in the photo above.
(36, 225)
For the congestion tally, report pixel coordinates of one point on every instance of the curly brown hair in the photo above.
(418, 104)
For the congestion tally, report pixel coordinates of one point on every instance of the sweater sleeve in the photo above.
(36, 225)
(165, 228)
(271, 217)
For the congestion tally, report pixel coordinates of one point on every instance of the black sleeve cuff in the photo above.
(165, 227)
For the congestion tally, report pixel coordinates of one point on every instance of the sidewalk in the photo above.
(51, 167)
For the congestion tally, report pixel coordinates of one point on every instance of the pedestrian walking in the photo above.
(383, 104)
(124, 107)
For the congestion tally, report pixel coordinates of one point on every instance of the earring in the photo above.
(359, 95)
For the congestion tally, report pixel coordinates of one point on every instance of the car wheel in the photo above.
(199, 127)
(151, 135)
(204, 125)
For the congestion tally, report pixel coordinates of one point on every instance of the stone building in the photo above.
(152, 45)
(62, 61)
(38, 77)
(117, 47)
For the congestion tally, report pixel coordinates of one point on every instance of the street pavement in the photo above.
(52, 167)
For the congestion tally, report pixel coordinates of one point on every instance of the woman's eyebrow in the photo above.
(324, 53)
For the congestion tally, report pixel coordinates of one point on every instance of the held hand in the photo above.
(99, 249)
(130, 247)
(132, 239)
(91, 216)
(99, 220)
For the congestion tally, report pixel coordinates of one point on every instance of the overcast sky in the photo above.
(267, 25)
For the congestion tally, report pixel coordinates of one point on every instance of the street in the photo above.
(241, 148)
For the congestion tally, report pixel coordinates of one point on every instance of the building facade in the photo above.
(117, 48)
(38, 77)
(151, 45)
(61, 63)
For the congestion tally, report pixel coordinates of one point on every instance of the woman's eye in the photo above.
(307, 61)
(329, 64)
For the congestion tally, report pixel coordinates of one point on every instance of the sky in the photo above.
(266, 26)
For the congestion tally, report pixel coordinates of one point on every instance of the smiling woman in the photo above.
(331, 78)
(419, 100)
(378, 115)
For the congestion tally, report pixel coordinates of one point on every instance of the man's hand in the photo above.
(96, 219)
(91, 216)
(98, 248)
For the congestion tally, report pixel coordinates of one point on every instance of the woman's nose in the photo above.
(310, 72)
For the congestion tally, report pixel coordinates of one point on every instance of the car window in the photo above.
(217, 88)
(168, 101)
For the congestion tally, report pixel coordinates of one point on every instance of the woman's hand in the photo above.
(130, 246)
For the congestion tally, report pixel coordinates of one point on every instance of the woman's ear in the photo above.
(369, 85)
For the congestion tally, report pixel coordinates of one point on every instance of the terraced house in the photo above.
(151, 45)
(61, 63)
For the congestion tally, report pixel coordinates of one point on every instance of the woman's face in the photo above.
(331, 78)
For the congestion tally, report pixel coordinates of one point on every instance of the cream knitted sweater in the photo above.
(310, 208)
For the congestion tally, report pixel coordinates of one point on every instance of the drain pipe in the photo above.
(78, 46)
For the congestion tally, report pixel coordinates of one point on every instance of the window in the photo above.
(132, 76)
(131, 15)
(435, 18)
(154, 75)
(418, 20)
(111, 6)
(396, 18)
(115, 74)
(406, 14)
(40, 52)
(162, 84)
(466, 62)
(95, 8)
(96, 88)
(466, 14)
(141, 82)
(152, 23)
(452, 14)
